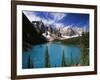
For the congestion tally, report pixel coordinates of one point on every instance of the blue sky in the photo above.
(58, 19)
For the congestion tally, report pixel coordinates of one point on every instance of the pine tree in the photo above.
(83, 55)
(84, 51)
(47, 64)
(63, 62)
(76, 57)
(70, 59)
(30, 64)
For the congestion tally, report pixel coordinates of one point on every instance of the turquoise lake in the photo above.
(55, 50)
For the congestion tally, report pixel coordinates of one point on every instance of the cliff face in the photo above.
(30, 34)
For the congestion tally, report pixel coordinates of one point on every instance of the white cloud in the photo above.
(58, 25)
(58, 16)
(32, 16)
(48, 21)
(69, 26)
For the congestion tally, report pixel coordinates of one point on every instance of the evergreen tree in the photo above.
(84, 51)
(47, 64)
(70, 59)
(30, 64)
(76, 57)
(83, 55)
(63, 62)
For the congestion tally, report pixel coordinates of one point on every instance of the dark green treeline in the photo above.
(47, 62)
(63, 62)
(70, 59)
(30, 64)
(84, 44)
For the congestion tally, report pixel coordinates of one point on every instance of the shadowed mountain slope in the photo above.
(30, 35)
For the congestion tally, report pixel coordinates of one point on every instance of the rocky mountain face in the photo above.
(70, 31)
(32, 34)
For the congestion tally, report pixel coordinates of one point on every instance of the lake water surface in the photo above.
(55, 50)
